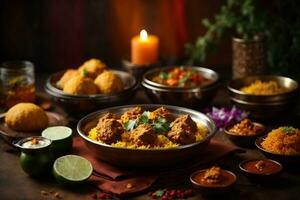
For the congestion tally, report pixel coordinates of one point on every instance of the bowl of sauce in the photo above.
(244, 133)
(213, 181)
(261, 170)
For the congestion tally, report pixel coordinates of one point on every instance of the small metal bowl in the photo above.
(261, 178)
(264, 106)
(79, 105)
(243, 140)
(144, 158)
(289, 161)
(209, 190)
(187, 97)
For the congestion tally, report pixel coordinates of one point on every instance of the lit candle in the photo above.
(144, 49)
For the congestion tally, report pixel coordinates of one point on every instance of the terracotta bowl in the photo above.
(209, 190)
(243, 140)
(261, 178)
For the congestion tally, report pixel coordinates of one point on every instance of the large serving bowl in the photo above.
(83, 104)
(187, 97)
(145, 158)
(265, 106)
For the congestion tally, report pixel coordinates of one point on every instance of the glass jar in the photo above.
(17, 83)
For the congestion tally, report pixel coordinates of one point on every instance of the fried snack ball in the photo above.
(80, 85)
(26, 117)
(92, 68)
(70, 73)
(108, 82)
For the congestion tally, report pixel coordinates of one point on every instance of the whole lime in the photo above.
(36, 164)
(72, 170)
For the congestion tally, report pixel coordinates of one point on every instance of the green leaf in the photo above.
(144, 119)
(164, 75)
(159, 193)
(161, 125)
(130, 125)
(206, 23)
(288, 130)
(85, 72)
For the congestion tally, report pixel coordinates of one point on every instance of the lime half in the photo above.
(61, 137)
(72, 169)
(57, 132)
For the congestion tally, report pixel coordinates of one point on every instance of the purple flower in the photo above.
(225, 116)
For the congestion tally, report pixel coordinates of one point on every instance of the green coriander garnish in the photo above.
(144, 119)
(130, 125)
(85, 72)
(288, 130)
(164, 75)
(161, 125)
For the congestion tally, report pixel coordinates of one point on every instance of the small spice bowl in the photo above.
(261, 170)
(244, 140)
(61, 137)
(213, 189)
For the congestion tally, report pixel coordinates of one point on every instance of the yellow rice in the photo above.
(263, 88)
(161, 142)
(280, 142)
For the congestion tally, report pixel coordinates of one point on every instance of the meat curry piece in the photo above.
(162, 112)
(143, 135)
(109, 129)
(133, 113)
(108, 116)
(213, 175)
(183, 130)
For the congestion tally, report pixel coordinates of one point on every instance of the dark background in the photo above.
(59, 34)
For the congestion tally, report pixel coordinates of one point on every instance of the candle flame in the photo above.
(143, 34)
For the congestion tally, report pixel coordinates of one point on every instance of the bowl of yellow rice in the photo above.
(281, 144)
(163, 152)
(265, 97)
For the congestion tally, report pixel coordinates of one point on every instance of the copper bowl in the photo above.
(80, 105)
(289, 161)
(144, 158)
(264, 106)
(187, 97)
(243, 140)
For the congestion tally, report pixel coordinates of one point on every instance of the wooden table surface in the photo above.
(15, 184)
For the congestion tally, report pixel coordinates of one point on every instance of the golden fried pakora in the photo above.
(92, 68)
(80, 85)
(108, 82)
(26, 117)
(70, 73)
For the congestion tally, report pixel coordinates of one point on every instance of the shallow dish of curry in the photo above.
(146, 135)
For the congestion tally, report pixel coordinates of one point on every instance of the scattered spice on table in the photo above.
(103, 196)
(54, 194)
(170, 194)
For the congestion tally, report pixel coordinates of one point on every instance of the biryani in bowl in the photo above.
(283, 140)
(147, 129)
